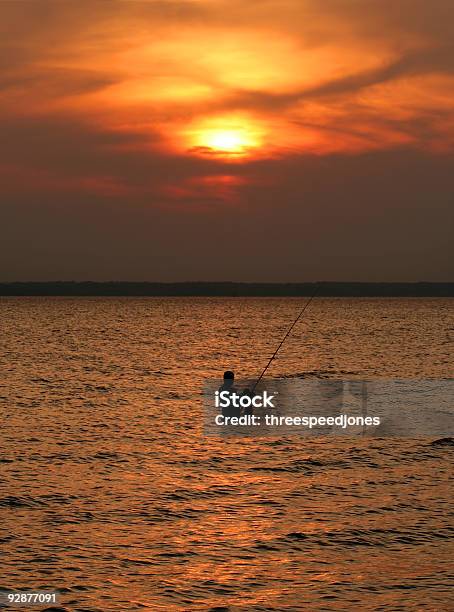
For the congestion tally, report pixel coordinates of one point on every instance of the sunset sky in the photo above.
(277, 140)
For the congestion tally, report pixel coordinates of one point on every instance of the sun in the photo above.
(227, 141)
(225, 137)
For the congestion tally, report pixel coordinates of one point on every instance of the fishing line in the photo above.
(317, 286)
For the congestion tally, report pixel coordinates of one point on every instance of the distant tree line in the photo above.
(227, 289)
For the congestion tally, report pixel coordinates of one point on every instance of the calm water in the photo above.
(111, 494)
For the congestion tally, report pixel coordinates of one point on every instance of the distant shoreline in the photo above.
(225, 289)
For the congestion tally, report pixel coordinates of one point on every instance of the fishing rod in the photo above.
(317, 286)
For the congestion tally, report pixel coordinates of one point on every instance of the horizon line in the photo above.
(226, 289)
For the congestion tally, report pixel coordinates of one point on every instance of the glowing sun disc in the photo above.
(225, 136)
(227, 141)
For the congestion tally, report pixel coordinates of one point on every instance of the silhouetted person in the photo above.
(229, 379)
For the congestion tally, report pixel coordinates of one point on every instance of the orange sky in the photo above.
(206, 103)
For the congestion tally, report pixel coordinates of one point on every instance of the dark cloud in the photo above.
(75, 149)
(378, 216)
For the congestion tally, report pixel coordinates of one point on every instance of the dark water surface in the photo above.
(111, 494)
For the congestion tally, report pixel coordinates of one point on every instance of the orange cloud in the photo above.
(315, 78)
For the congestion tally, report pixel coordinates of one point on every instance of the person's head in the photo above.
(229, 377)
